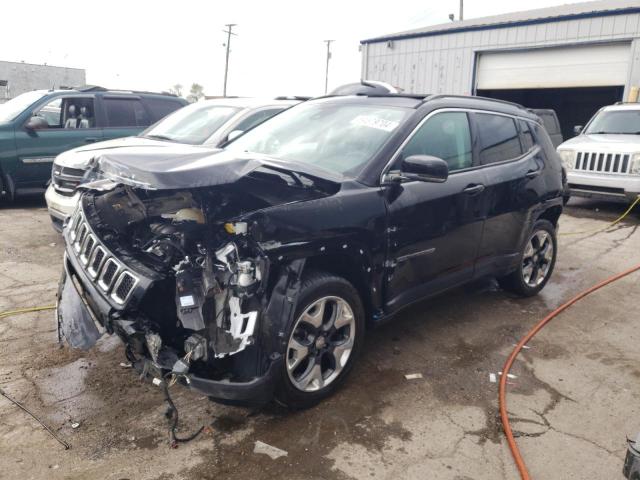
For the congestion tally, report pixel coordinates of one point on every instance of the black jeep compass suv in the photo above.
(253, 272)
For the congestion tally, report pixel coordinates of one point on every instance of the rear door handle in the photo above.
(91, 139)
(473, 189)
(532, 173)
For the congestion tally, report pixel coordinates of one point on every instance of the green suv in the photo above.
(36, 126)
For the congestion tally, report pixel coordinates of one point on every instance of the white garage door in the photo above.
(588, 66)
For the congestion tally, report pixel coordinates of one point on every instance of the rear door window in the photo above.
(498, 138)
(445, 135)
(125, 112)
(160, 107)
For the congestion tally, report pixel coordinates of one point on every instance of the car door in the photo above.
(70, 121)
(123, 115)
(511, 164)
(434, 229)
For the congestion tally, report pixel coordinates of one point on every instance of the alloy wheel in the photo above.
(538, 255)
(321, 343)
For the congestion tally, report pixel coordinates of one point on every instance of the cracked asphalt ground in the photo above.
(575, 398)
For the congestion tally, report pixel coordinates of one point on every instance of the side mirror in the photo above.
(578, 129)
(36, 123)
(234, 134)
(424, 168)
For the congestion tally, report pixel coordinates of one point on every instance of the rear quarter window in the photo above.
(527, 136)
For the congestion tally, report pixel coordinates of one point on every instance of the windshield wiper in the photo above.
(159, 137)
(602, 132)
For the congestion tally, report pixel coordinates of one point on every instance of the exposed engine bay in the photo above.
(190, 278)
(215, 266)
(208, 275)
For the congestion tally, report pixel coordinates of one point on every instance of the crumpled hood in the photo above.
(603, 143)
(187, 167)
(80, 157)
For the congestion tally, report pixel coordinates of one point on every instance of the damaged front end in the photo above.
(191, 293)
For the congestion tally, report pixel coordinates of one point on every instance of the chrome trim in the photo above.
(87, 249)
(117, 284)
(427, 251)
(103, 285)
(396, 154)
(81, 235)
(29, 160)
(93, 272)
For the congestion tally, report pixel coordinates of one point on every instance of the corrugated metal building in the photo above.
(20, 77)
(573, 58)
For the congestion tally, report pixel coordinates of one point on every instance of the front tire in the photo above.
(323, 341)
(537, 261)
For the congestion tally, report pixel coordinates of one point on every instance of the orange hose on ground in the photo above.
(515, 452)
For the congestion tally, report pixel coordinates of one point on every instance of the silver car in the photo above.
(207, 124)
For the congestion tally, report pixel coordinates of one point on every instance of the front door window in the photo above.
(68, 113)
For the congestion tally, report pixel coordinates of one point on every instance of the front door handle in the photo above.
(473, 189)
(532, 173)
(91, 139)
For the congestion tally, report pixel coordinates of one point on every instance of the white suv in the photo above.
(603, 161)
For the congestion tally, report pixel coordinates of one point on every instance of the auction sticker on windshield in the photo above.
(372, 121)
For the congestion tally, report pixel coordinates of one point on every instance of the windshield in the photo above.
(337, 137)
(615, 121)
(14, 107)
(193, 124)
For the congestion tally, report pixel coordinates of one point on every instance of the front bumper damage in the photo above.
(80, 326)
(249, 361)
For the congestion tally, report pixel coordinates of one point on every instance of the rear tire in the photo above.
(324, 340)
(536, 261)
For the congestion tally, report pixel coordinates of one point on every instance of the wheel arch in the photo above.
(349, 268)
(551, 214)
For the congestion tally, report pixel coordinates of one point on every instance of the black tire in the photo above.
(516, 281)
(316, 286)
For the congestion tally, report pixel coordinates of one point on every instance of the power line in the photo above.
(226, 60)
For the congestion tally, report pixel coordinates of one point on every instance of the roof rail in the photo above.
(96, 88)
(302, 98)
(90, 88)
(415, 96)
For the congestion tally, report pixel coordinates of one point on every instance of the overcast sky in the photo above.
(279, 50)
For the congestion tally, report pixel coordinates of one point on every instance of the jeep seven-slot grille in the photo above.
(603, 162)
(107, 272)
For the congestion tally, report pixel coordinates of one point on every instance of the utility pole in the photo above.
(461, 17)
(226, 60)
(326, 73)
